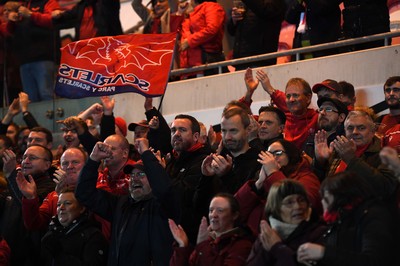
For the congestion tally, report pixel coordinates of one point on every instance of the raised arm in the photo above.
(29, 119)
(99, 201)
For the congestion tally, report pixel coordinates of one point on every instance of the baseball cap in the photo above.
(141, 123)
(130, 166)
(329, 84)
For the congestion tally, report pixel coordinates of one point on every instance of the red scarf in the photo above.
(332, 216)
(342, 165)
(195, 147)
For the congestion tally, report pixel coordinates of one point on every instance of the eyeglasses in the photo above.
(290, 203)
(389, 90)
(137, 174)
(33, 158)
(277, 153)
(327, 110)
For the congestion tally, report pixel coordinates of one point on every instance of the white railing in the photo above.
(297, 52)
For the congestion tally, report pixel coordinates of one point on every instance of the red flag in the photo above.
(116, 64)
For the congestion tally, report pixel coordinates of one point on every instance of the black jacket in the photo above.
(284, 253)
(25, 245)
(258, 32)
(365, 17)
(245, 167)
(159, 139)
(140, 233)
(323, 21)
(195, 190)
(79, 244)
(363, 236)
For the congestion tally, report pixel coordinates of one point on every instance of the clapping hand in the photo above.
(268, 236)
(178, 233)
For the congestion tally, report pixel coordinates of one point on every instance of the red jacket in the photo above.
(297, 129)
(5, 253)
(118, 185)
(230, 249)
(44, 18)
(203, 29)
(252, 204)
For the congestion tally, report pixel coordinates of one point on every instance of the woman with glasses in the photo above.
(288, 225)
(282, 160)
(362, 229)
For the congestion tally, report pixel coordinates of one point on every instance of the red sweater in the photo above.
(252, 204)
(297, 129)
(231, 249)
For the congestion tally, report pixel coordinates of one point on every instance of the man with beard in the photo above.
(240, 163)
(331, 115)
(35, 164)
(391, 89)
(140, 232)
(184, 168)
(301, 121)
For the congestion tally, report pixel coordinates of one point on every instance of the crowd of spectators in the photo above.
(290, 185)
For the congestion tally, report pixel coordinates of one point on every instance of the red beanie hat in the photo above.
(121, 124)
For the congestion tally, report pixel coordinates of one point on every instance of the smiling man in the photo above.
(140, 219)
(357, 151)
(139, 186)
(301, 121)
(70, 137)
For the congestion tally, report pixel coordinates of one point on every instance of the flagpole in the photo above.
(161, 100)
